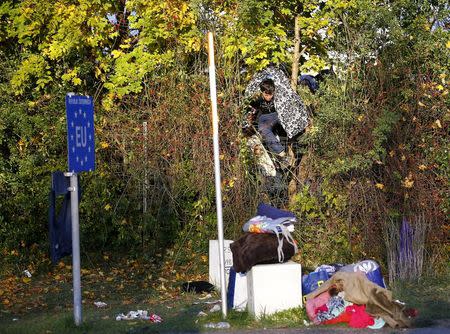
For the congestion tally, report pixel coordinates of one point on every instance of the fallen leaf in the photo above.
(438, 124)
(408, 182)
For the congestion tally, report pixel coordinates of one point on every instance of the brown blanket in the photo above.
(258, 248)
(359, 290)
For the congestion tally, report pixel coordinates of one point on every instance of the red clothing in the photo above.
(344, 317)
(323, 308)
(358, 316)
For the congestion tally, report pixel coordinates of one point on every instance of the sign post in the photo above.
(81, 157)
(215, 124)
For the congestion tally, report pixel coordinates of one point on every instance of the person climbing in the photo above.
(262, 112)
(309, 81)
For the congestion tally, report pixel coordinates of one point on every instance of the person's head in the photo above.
(267, 87)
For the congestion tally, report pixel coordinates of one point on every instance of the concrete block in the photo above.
(274, 287)
(214, 262)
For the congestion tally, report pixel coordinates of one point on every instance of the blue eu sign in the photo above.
(80, 133)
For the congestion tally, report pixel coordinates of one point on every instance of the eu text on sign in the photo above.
(80, 133)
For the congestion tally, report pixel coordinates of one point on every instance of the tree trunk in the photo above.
(296, 57)
(292, 187)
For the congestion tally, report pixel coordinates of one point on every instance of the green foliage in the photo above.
(380, 122)
(377, 142)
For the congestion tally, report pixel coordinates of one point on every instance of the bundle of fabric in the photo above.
(351, 298)
(267, 239)
(259, 248)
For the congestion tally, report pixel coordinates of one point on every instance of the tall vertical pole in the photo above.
(145, 186)
(215, 123)
(75, 247)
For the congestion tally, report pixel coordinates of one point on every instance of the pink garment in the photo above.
(358, 316)
(313, 303)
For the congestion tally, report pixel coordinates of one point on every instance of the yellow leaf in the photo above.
(438, 124)
(107, 207)
(448, 45)
(422, 167)
(204, 258)
(26, 280)
(421, 104)
(360, 118)
(5, 301)
(440, 87)
(104, 144)
(116, 53)
(408, 182)
(98, 72)
(379, 185)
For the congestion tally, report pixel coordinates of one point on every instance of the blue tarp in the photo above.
(60, 224)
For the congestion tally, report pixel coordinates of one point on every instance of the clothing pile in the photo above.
(350, 297)
(267, 239)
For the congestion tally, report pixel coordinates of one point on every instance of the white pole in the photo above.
(215, 123)
(75, 247)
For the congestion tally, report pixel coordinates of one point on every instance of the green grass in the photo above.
(430, 296)
(178, 315)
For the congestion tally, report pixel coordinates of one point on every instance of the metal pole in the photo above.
(75, 247)
(212, 85)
